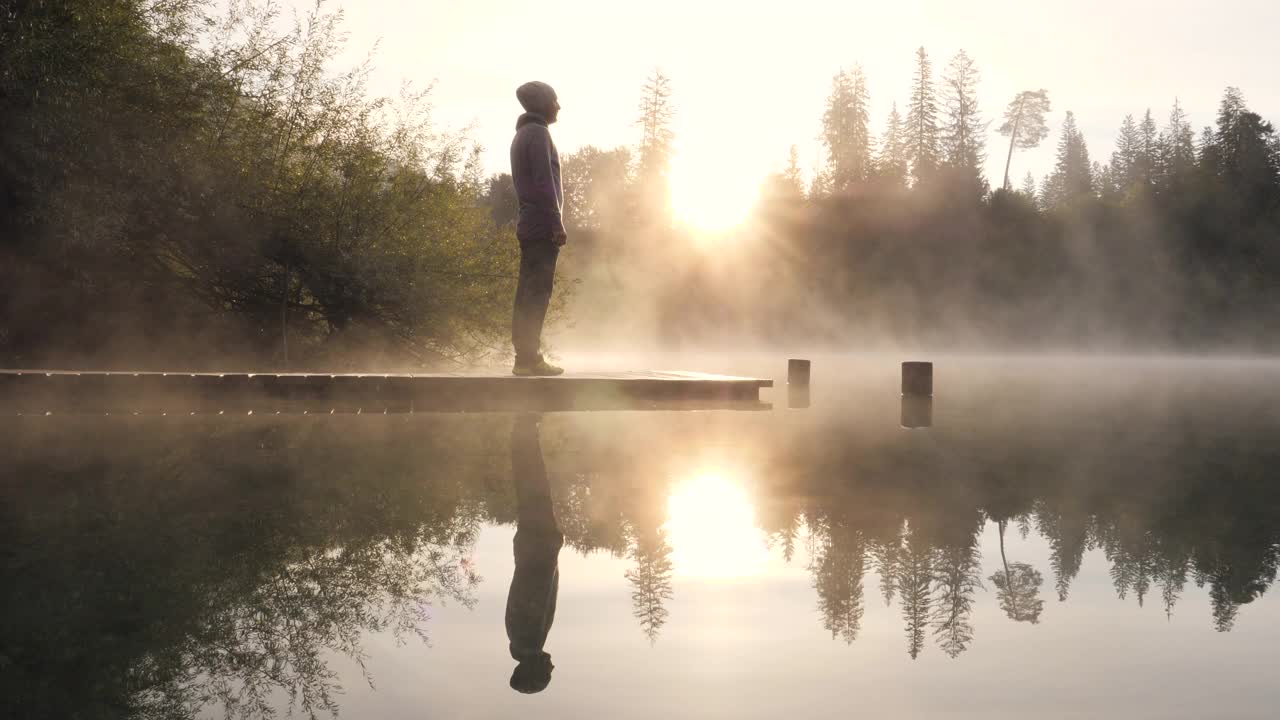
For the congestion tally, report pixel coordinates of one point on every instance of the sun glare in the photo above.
(711, 526)
(711, 194)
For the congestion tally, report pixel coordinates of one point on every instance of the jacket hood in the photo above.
(529, 117)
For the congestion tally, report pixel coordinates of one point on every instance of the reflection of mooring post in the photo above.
(917, 394)
(798, 384)
(917, 412)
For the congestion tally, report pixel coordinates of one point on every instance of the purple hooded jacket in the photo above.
(535, 170)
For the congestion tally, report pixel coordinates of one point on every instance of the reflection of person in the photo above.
(531, 603)
(535, 172)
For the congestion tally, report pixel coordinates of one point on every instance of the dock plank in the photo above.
(42, 391)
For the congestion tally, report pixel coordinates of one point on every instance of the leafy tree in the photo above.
(596, 188)
(209, 181)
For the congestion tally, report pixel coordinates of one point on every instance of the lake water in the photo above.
(1070, 538)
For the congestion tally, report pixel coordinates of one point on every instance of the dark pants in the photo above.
(533, 295)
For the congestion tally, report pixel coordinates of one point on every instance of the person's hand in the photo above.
(559, 238)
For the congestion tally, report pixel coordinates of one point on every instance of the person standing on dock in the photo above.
(535, 171)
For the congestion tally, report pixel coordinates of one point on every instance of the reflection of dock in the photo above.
(43, 391)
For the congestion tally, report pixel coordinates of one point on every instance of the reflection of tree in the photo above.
(1172, 576)
(914, 576)
(884, 557)
(590, 514)
(838, 564)
(1224, 608)
(1018, 587)
(1068, 534)
(1238, 571)
(278, 636)
(1018, 590)
(786, 536)
(957, 577)
(1132, 553)
(781, 519)
(650, 580)
(224, 565)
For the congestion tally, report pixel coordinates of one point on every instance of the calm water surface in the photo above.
(1069, 539)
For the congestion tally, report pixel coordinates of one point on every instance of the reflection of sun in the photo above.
(711, 195)
(711, 526)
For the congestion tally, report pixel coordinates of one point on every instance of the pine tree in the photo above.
(1072, 176)
(845, 131)
(922, 122)
(893, 162)
(783, 191)
(1243, 156)
(1124, 161)
(656, 114)
(962, 140)
(1029, 186)
(791, 175)
(1148, 168)
(1024, 124)
(820, 186)
(1207, 152)
(1177, 152)
(1227, 136)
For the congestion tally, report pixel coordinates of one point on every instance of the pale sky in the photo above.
(750, 78)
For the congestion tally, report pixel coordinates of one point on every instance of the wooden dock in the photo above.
(41, 392)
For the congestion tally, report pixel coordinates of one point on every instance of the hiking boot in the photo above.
(540, 368)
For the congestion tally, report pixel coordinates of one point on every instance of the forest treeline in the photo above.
(182, 188)
(1173, 241)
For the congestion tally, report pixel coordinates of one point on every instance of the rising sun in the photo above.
(711, 194)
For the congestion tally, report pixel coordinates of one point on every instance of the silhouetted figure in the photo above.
(535, 171)
(531, 604)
